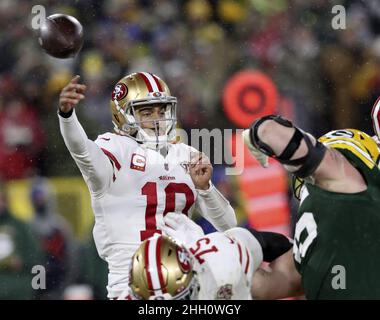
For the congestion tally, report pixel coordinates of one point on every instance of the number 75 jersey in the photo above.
(144, 187)
(225, 264)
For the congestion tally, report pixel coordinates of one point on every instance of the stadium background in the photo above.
(323, 79)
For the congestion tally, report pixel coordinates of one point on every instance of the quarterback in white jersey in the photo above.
(192, 265)
(139, 173)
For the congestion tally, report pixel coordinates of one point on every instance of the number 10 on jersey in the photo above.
(150, 191)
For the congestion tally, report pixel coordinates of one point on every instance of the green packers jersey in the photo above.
(337, 236)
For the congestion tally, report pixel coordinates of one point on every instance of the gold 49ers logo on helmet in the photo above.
(183, 259)
(119, 92)
(357, 142)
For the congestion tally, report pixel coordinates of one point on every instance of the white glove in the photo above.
(127, 295)
(181, 228)
(260, 157)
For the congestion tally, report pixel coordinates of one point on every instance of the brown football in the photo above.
(61, 36)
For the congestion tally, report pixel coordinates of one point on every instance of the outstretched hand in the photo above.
(200, 170)
(71, 94)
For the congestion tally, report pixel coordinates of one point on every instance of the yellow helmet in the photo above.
(357, 142)
(139, 89)
(162, 270)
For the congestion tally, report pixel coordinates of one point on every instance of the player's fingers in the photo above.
(170, 233)
(195, 157)
(171, 221)
(196, 170)
(166, 228)
(75, 79)
(69, 101)
(74, 87)
(192, 169)
(201, 168)
(79, 85)
(195, 162)
(199, 158)
(81, 88)
(168, 224)
(170, 215)
(205, 159)
(72, 95)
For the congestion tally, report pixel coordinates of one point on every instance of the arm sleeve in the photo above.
(213, 206)
(273, 244)
(95, 166)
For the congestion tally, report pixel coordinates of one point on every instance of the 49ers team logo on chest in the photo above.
(138, 162)
(119, 92)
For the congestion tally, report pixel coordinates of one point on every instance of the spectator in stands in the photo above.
(19, 253)
(93, 271)
(21, 139)
(55, 238)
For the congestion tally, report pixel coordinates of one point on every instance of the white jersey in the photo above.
(131, 189)
(145, 186)
(225, 263)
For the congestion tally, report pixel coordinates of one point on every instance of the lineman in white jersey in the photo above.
(138, 174)
(192, 265)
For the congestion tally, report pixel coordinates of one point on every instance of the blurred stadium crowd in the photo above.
(330, 78)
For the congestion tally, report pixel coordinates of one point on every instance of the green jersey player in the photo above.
(336, 240)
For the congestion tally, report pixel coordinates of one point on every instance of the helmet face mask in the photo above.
(132, 93)
(189, 293)
(155, 132)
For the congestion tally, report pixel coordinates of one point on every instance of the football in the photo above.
(61, 36)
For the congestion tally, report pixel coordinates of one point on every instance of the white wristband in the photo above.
(207, 191)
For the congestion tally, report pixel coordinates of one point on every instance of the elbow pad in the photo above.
(308, 163)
